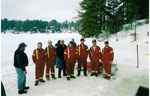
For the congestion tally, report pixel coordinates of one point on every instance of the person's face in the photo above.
(40, 46)
(106, 45)
(94, 43)
(23, 48)
(82, 42)
(72, 40)
(70, 45)
(62, 42)
(49, 43)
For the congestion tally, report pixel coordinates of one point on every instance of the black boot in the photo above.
(96, 74)
(78, 72)
(85, 74)
(22, 92)
(26, 87)
(73, 77)
(68, 78)
(42, 80)
(36, 83)
(59, 73)
(92, 74)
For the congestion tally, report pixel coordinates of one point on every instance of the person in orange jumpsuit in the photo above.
(107, 59)
(50, 60)
(82, 50)
(38, 58)
(70, 57)
(95, 55)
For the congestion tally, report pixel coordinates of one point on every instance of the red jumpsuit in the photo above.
(95, 55)
(107, 58)
(50, 61)
(82, 56)
(70, 57)
(39, 60)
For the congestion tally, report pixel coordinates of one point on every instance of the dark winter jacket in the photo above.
(60, 51)
(20, 59)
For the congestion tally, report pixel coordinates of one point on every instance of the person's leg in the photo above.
(52, 69)
(60, 67)
(37, 74)
(42, 71)
(79, 64)
(68, 70)
(72, 68)
(108, 69)
(24, 81)
(92, 67)
(56, 62)
(85, 66)
(64, 67)
(21, 81)
(47, 70)
(96, 67)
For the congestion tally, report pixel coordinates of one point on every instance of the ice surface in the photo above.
(125, 83)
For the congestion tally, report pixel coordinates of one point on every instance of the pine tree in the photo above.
(92, 14)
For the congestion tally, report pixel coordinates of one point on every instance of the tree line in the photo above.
(38, 26)
(109, 16)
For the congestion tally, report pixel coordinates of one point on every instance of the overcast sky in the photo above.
(40, 9)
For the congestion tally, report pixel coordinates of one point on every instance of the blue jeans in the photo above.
(21, 79)
(57, 61)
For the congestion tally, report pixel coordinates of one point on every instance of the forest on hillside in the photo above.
(109, 16)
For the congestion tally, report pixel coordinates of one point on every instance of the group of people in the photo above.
(65, 58)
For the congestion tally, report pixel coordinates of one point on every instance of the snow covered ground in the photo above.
(125, 83)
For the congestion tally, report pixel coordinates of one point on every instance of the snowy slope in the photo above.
(125, 83)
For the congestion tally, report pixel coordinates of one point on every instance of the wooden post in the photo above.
(137, 56)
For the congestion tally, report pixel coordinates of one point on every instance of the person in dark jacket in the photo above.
(20, 63)
(57, 59)
(62, 63)
(74, 43)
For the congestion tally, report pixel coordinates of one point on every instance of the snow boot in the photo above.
(26, 88)
(73, 77)
(104, 76)
(92, 74)
(36, 83)
(42, 81)
(22, 92)
(85, 74)
(78, 72)
(96, 74)
(48, 79)
(108, 78)
(47, 76)
(68, 78)
(54, 77)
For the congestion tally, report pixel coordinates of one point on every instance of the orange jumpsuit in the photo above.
(50, 60)
(82, 56)
(95, 55)
(39, 60)
(107, 58)
(70, 57)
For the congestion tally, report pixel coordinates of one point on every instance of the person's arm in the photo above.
(87, 51)
(46, 54)
(65, 54)
(34, 57)
(111, 55)
(100, 53)
(90, 53)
